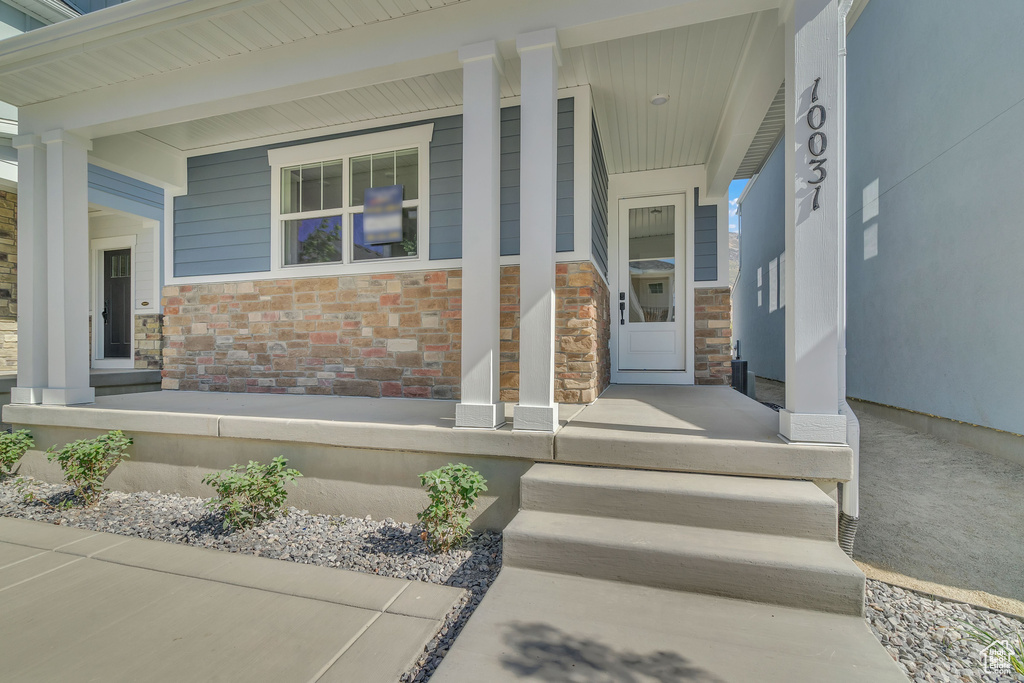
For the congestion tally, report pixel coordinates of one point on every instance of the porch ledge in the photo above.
(407, 425)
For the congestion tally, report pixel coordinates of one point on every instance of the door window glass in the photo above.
(652, 264)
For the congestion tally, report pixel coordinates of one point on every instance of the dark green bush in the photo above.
(252, 495)
(87, 462)
(13, 445)
(453, 490)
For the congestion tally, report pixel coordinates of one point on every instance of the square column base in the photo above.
(69, 396)
(812, 427)
(535, 418)
(27, 395)
(479, 416)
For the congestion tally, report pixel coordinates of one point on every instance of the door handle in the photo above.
(622, 312)
(106, 307)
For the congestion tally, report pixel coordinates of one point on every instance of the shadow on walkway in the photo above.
(542, 652)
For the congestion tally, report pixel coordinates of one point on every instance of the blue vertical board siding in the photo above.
(599, 201)
(117, 191)
(705, 240)
(222, 226)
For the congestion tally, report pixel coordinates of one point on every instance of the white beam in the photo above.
(67, 213)
(142, 157)
(481, 271)
(405, 47)
(32, 271)
(540, 55)
(760, 72)
(812, 225)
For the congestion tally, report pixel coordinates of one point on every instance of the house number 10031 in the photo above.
(817, 143)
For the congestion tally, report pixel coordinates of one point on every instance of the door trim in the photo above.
(652, 184)
(97, 248)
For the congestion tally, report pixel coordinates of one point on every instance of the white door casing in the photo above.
(651, 300)
(99, 247)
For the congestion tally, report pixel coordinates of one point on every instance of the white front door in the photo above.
(651, 299)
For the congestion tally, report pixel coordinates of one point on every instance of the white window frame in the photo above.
(344, 149)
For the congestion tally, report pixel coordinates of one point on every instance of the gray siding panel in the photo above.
(598, 201)
(222, 226)
(705, 238)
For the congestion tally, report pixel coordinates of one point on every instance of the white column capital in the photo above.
(51, 137)
(26, 141)
(537, 40)
(478, 52)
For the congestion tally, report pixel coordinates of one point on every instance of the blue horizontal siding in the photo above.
(122, 193)
(705, 239)
(599, 201)
(222, 226)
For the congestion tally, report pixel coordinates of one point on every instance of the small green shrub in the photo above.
(453, 490)
(251, 495)
(13, 445)
(87, 462)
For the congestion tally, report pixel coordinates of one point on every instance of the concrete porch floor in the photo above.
(679, 428)
(81, 605)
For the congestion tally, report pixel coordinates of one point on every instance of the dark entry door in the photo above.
(117, 303)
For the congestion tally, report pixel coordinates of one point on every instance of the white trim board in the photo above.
(681, 180)
(97, 247)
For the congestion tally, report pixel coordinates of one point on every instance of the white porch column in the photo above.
(812, 225)
(67, 210)
(32, 303)
(481, 270)
(540, 56)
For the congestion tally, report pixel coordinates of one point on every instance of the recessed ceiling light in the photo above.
(659, 99)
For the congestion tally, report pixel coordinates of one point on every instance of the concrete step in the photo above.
(768, 506)
(796, 572)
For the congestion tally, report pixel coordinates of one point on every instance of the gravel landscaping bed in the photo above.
(928, 637)
(387, 547)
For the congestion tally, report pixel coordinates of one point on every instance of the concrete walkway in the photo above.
(80, 605)
(936, 510)
(553, 628)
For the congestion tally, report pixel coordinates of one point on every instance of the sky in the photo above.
(735, 190)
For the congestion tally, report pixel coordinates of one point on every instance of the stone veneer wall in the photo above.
(8, 281)
(149, 342)
(395, 334)
(713, 335)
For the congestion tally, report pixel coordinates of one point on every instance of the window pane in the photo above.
(360, 178)
(384, 169)
(408, 172)
(311, 187)
(313, 240)
(290, 189)
(332, 185)
(407, 247)
(652, 264)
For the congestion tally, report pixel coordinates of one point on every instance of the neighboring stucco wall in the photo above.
(8, 281)
(935, 276)
(759, 324)
(392, 334)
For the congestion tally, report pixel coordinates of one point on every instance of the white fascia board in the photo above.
(753, 89)
(409, 46)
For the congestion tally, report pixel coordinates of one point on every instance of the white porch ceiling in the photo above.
(694, 65)
(232, 28)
